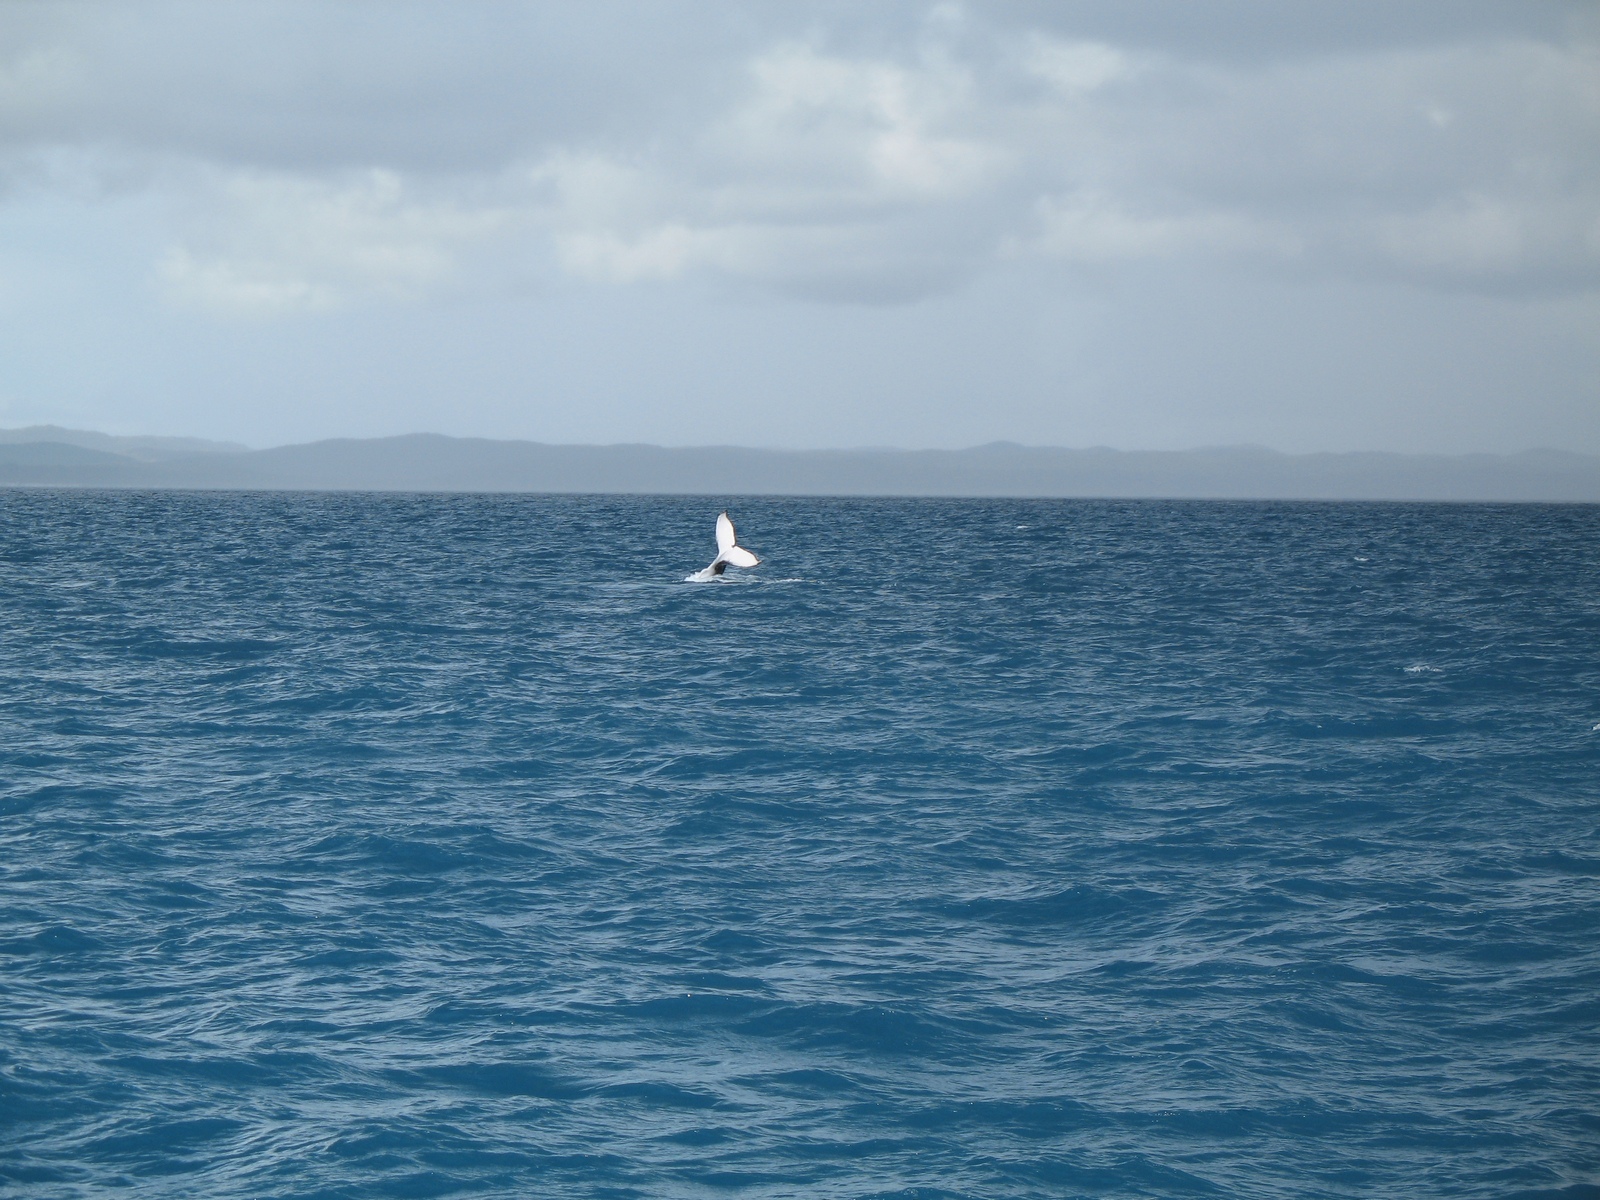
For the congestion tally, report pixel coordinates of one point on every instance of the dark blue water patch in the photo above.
(396, 845)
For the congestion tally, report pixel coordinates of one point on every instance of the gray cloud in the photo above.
(898, 207)
(363, 149)
(307, 87)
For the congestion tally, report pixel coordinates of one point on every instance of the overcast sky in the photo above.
(1366, 225)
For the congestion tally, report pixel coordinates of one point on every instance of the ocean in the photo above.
(360, 845)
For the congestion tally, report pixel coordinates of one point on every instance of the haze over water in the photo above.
(384, 845)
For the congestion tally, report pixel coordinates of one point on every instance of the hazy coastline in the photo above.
(48, 456)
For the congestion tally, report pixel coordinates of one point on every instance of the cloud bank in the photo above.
(1146, 223)
(313, 156)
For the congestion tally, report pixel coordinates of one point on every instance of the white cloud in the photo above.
(249, 286)
(886, 169)
(809, 182)
(1450, 166)
(273, 243)
(1474, 235)
(1089, 227)
(865, 130)
(610, 221)
(1494, 241)
(1454, 167)
(1075, 67)
(664, 252)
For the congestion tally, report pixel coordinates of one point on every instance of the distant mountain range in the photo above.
(48, 456)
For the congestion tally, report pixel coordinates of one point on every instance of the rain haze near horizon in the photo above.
(1143, 225)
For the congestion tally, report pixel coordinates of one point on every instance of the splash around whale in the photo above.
(729, 553)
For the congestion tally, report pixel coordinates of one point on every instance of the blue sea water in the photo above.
(391, 846)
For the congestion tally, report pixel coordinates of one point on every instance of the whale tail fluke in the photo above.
(729, 553)
(728, 549)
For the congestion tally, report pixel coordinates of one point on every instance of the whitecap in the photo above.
(1421, 669)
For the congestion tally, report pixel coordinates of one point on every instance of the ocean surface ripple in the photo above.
(371, 846)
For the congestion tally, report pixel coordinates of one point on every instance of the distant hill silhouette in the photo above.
(53, 457)
(143, 449)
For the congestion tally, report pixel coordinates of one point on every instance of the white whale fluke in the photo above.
(729, 553)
